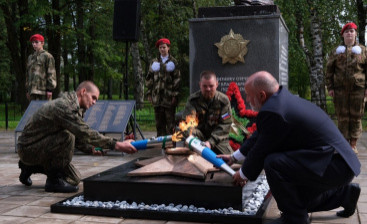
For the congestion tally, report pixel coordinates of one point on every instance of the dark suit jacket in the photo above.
(287, 123)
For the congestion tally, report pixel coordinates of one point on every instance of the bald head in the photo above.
(88, 85)
(87, 93)
(259, 87)
(263, 81)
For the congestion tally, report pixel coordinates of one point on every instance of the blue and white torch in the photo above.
(200, 148)
(145, 143)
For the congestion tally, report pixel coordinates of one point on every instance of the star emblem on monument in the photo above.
(232, 48)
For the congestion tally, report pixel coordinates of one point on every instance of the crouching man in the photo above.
(47, 142)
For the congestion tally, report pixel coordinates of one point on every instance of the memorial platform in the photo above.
(21, 204)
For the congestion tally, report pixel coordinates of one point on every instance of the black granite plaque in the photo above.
(267, 49)
(110, 116)
(32, 107)
(93, 116)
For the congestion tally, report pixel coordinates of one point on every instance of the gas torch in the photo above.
(200, 148)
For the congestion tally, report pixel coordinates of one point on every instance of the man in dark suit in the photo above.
(308, 163)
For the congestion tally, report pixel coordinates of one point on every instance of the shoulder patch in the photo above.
(226, 116)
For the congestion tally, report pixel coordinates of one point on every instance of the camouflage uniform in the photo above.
(41, 75)
(215, 119)
(346, 75)
(162, 86)
(48, 139)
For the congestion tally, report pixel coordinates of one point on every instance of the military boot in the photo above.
(55, 182)
(25, 174)
(27, 171)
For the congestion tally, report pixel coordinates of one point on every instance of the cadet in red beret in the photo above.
(348, 26)
(37, 37)
(40, 66)
(162, 41)
(163, 83)
(347, 84)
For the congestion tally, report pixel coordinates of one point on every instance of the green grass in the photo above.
(144, 117)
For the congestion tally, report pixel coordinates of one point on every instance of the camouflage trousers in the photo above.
(54, 154)
(164, 120)
(349, 109)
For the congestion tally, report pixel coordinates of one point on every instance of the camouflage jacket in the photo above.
(346, 68)
(162, 85)
(215, 117)
(59, 115)
(41, 73)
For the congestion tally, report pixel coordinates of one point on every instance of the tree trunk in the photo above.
(80, 41)
(91, 58)
(145, 42)
(138, 74)
(362, 11)
(314, 59)
(54, 41)
(17, 51)
(66, 68)
(194, 9)
(317, 74)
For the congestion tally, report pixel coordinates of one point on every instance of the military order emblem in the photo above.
(232, 48)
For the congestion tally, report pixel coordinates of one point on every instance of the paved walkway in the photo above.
(20, 204)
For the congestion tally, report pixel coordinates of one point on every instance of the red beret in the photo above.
(162, 41)
(38, 37)
(348, 26)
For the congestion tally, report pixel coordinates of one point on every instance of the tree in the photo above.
(362, 12)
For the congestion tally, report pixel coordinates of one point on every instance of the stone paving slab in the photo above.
(21, 204)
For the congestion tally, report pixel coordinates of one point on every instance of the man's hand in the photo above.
(207, 144)
(49, 95)
(227, 158)
(237, 179)
(125, 146)
(331, 93)
(96, 151)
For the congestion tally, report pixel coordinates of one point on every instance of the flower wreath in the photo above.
(243, 120)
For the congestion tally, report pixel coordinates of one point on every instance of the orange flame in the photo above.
(190, 122)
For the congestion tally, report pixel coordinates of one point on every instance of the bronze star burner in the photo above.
(178, 162)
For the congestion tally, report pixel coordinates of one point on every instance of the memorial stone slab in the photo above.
(267, 48)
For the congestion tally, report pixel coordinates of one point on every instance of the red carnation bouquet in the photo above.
(244, 121)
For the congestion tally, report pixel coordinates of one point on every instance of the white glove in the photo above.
(155, 66)
(170, 66)
(340, 50)
(357, 50)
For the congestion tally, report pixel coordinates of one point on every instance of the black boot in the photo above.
(25, 174)
(27, 171)
(58, 184)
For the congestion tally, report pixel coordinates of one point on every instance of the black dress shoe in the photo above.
(350, 205)
(25, 174)
(59, 185)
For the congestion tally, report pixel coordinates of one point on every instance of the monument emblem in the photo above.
(232, 48)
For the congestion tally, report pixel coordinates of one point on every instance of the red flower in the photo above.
(233, 90)
(252, 128)
(234, 145)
